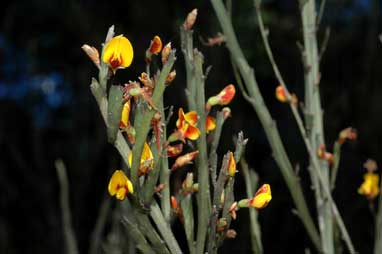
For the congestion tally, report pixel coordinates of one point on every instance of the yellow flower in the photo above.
(231, 165)
(223, 98)
(120, 185)
(262, 197)
(369, 187)
(118, 52)
(125, 115)
(147, 160)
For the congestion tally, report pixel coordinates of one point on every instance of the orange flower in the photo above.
(147, 160)
(282, 96)
(210, 123)
(231, 165)
(186, 126)
(120, 185)
(155, 45)
(118, 53)
(154, 49)
(183, 160)
(175, 150)
(262, 197)
(223, 98)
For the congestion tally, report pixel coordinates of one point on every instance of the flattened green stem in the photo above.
(251, 180)
(140, 240)
(186, 37)
(149, 231)
(203, 195)
(142, 127)
(165, 173)
(188, 214)
(100, 96)
(164, 229)
(213, 158)
(269, 125)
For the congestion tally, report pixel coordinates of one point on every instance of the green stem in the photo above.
(165, 174)
(164, 229)
(70, 239)
(269, 125)
(188, 214)
(203, 195)
(142, 127)
(213, 158)
(140, 240)
(315, 123)
(101, 99)
(251, 179)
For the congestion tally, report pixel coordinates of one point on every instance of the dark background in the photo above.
(47, 110)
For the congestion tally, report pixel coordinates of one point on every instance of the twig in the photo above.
(320, 13)
(213, 158)
(324, 44)
(70, 239)
(188, 215)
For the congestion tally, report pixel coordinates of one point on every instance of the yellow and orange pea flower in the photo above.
(262, 197)
(186, 127)
(184, 160)
(223, 98)
(154, 48)
(282, 96)
(231, 165)
(147, 160)
(369, 187)
(125, 115)
(120, 185)
(210, 124)
(118, 53)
